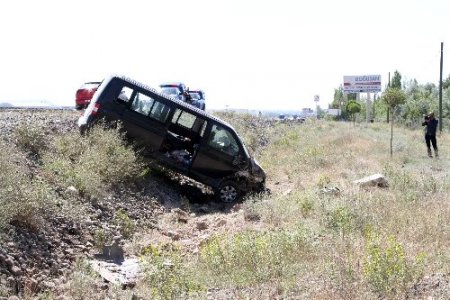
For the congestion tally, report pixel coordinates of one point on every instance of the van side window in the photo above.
(125, 94)
(142, 103)
(183, 118)
(160, 111)
(221, 139)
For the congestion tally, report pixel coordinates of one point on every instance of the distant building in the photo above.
(307, 113)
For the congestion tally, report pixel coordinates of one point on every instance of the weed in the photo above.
(127, 226)
(251, 257)
(30, 138)
(24, 200)
(323, 181)
(100, 238)
(306, 206)
(386, 267)
(93, 163)
(165, 274)
(341, 219)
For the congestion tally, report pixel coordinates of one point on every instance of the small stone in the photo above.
(104, 286)
(174, 235)
(221, 223)
(72, 190)
(49, 285)
(202, 225)
(68, 251)
(15, 270)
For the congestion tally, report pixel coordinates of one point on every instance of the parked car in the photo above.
(84, 94)
(176, 90)
(197, 98)
(177, 136)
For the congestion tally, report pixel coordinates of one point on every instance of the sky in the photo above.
(263, 55)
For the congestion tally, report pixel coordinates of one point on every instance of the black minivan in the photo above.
(178, 136)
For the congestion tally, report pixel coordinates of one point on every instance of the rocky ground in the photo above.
(175, 207)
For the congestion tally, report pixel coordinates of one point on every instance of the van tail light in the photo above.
(95, 109)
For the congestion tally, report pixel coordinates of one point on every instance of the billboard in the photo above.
(362, 84)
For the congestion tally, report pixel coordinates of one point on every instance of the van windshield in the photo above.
(171, 91)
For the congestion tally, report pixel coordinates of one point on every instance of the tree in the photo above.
(446, 83)
(393, 97)
(396, 81)
(353, 108)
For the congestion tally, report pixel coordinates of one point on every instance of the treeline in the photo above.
(420, 99)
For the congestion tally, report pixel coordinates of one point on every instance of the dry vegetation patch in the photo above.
(316, 236)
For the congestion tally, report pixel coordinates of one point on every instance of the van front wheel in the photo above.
(228, 192)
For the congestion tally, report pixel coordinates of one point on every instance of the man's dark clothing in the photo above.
(430, 135)
(431, 126)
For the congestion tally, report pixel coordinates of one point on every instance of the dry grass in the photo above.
(410, 218)
(414, 209)
(303, 241)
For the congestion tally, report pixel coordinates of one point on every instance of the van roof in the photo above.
(169, 98)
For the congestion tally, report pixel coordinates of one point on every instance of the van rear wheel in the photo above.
(228, 192)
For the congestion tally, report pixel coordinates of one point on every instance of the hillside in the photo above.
(317, 235)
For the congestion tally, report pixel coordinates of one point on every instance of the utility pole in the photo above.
(389, 85)
(440, 88)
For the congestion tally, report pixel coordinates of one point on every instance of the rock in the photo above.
(72, 191)
(2, 260)
(287, 192)
(9, 261)
(32, 285)
(15, 270)
(181, 215)
(236, 207)
(174, 235)
(69, 251)
(202, 225)
(13, 298)
(372, 180)
(125, 273)
(335, 191)
(48, 285)
(221, 223)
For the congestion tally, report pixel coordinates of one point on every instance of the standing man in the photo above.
(430, 133)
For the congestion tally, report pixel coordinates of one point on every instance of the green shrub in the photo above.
(166, 276)
(101, 238)
(341, 219)
(126, 226)
(92, 163)
(254, 257)
(386, 267)
(306, 205)
(323, 181)
(23, 199)
(30, 138)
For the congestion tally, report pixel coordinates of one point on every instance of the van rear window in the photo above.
(183, 118)
(142, 104)
(160, 111)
